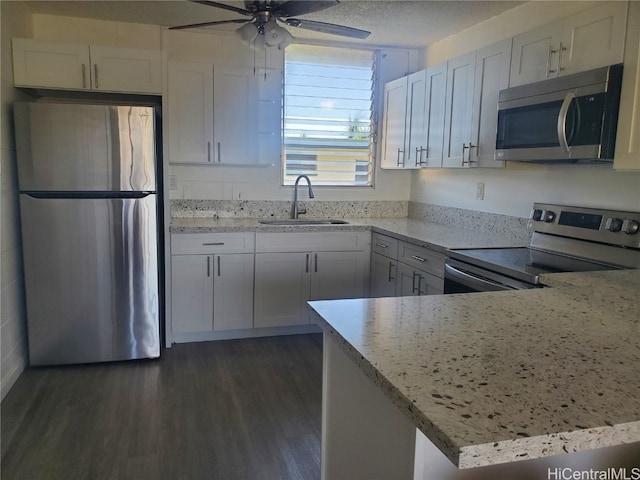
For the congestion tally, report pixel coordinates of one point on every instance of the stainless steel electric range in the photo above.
(564, 239)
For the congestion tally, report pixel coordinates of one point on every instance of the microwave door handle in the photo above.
(562, 122)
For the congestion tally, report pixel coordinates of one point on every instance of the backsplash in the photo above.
(506, 225)
(514, 227)
(282, 209)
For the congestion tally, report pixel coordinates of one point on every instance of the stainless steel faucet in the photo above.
(296, 210)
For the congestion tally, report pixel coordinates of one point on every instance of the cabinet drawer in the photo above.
(313, 242)
(384, 245)
(209, 243)
(421, 258)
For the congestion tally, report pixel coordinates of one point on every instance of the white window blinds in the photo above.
(328, 119)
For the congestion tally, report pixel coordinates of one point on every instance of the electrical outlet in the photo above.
(173, 182)
(480, 191)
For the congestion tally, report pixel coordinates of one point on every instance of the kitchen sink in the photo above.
(298, 221)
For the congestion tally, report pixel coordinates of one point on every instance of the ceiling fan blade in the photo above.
(241, 11)
(302, 7)
(327, 28)
(208, 24)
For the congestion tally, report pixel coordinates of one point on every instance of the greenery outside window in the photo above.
(328, 124)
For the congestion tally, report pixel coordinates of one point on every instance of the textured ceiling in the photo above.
(394, 23)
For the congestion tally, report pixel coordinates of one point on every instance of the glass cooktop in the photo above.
(524, 263)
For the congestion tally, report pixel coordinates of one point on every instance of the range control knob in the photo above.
(630, 226)
(537, 214)
(613, 224)
(548, 216)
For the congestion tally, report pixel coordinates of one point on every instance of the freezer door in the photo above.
(72, 147)
(91, 277)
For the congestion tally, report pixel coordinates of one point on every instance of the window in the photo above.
(328, 126)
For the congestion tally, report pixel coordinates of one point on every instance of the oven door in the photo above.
(461, 277)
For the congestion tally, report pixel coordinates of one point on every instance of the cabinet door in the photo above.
(458, 108)
(393, 127)
(415, 130)
(593, 38)
(491, 76)
(407, 283)
(535, 55)
(339, 275)
(235, 112)
(436, 88)
(282, 289)
(383, 276)
(191, 293)
(126, 70)
(232, 291)
(627, 156)
(190, 98)
(50, 65)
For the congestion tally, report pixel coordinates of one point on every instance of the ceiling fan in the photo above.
(262, 28)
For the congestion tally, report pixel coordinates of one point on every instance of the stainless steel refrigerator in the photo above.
(89, 216)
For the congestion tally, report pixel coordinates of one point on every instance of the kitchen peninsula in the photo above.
(501, 385)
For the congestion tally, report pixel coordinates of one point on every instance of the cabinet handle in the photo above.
(420, 278)
(95, 71)
(315, 268)
(208, 151)
(560, 50)
(415, 289)
(219, 158)
(420, 259)
(419, 151)
(398, 161)
(218, 258)
(551, 52)
(212, 243)
(381, 245)
(208, 266)
(391, 265)
(306, 268)
(465, 147)
(84, 76)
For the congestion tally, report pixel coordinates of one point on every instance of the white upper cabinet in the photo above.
(393, 127)
(586, 40)
(212, 114)
(415, 129)
(627, 156)
(235, 111)
(458, 108)
(491, 76)
(69, 66)
(126, 69)
(190, 99)
(436, 87)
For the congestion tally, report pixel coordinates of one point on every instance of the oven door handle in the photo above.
(477, 283)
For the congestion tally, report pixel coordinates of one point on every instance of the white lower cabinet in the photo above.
(294, 268)
(412, 281)
(211, 285)
(401, 269)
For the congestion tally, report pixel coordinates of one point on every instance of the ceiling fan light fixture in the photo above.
(247, 33)
(274, 34)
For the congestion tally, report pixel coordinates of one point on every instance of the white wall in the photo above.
(13, 352)
(512, 190)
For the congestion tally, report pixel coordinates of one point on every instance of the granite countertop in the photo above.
(431, 235)
(497, 377)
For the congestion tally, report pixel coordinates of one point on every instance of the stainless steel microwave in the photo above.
(565, 119)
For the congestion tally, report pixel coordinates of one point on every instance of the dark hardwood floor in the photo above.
(236, 409)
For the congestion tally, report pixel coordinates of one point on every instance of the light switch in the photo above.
(480, 191)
